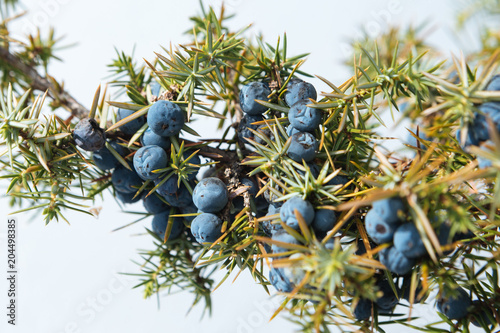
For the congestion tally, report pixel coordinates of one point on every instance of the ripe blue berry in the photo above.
(494, 83)
(302, 147)
(443, 235)
(253, 188)
(165, 118)
(125, 180)
(395, 261)
(182, 198)
(305, 209)
(391, 210)
(408, 241)
(313, 168)
(127, 198)
(324, 221)
(105, 160)
(304, 118)
(175, 196)
(88, 135)
(249, 93)
(360, 247)
(284, 237)
(478, 131)
(154, 205)
(338, 180)
(460, 236)
(454, 306)
(133, 126)
(273, 208)
(491, 110)
(155, 88)
(210, 195)
(280, 281)
(379, 230)
(150, 158)
(245, 126)
(389, 299)
(193, 160)
(169, 187)
(265, 130)
(290, 130)
(160, 223)
(482, 315)
(191, 209)
(299, 90)
(470, 138)
(206, 228)
(406, 290)
(149, 138)
(363, 310)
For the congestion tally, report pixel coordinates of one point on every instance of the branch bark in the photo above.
(43, 84)
(215, 153)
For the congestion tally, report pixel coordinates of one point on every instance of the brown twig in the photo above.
(43, 84)
(214, 153)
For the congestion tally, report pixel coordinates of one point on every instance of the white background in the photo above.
(68, 278)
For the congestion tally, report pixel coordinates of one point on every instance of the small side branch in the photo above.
(43, 84)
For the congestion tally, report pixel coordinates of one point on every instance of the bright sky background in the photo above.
(65, 269)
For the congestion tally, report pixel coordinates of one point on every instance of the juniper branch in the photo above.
(43, 84)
